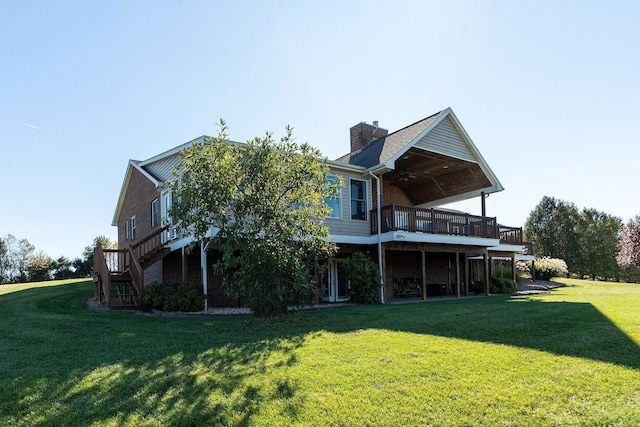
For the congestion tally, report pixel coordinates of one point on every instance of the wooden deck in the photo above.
(436, 221)
(119, 273)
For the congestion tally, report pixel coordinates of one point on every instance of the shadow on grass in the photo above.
(67, 365)
(63, 364)
(564, 328)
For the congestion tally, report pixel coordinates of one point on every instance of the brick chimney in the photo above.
(363, 133)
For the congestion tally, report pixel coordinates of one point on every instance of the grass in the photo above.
(571, 357)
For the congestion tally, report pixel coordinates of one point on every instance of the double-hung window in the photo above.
(132, 227)
(333, 202)
(358, 199)
(155, 213)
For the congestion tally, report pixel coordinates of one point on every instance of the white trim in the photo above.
(448, 112)
(133, 164)
(507, 248)
(354, 240)
(421, 135)
(459, 197)
(402, 236)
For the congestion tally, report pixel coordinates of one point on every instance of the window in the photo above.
(132, 227)
(358, 199)
(155, 213)
(334, 201)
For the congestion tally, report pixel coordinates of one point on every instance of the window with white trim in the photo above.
(132, 227)
(358, 199)
(155, 212)
(333, 202)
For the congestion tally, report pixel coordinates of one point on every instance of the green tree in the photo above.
(551, 226)
(84, 265)
(40, 267)
(265, 199)
(598, 238)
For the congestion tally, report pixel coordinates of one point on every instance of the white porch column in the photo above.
(205, 278)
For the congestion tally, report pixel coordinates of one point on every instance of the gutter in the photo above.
(379, 214)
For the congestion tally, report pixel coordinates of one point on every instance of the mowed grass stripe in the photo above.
(571, 357)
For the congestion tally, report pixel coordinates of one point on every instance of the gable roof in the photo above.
(381, 150)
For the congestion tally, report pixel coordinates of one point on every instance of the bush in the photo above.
(497, 285)
(501, 285)
(547, 268)
(364, 278)
(173, 297)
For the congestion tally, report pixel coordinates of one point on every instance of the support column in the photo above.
(458, 274)
(467, 275)
(205, 278)
(533, 270)
(513, 267)
(423, 260)
(383, 281)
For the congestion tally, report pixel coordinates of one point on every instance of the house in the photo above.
(390, 207)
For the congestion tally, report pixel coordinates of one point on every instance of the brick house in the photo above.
(389, 208)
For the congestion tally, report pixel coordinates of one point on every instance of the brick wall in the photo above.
(392, 194)
(137, 201)
(172, 272)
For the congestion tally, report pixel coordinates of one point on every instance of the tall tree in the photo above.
(84, 265)
(551, 226)
(4, 262)
(18, 255)
(40, 267)
(598, 238)
(629, 244)
(267, 201)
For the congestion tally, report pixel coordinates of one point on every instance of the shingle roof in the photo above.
(383, 149)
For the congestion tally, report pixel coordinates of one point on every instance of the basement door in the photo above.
(335, 286)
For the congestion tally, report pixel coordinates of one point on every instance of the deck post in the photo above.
(467, 275)
(458, 274)
(423, 261)
(485, 256)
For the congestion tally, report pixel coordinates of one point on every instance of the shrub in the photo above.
(547, 268)
(173, 297)
(364, 278)
(501, 285)
(497, 285)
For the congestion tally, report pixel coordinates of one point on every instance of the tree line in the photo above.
(21, 262)
(593, 244)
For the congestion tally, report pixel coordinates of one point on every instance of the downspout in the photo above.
(379, 214)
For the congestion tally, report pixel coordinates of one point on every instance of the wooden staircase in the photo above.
(118, 276)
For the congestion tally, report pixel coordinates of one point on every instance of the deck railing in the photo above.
(435, 221)
(511, 235)
(106, 262)
(150, 245)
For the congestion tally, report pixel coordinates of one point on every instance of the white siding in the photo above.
(162, 168)
(346, 225)
(445, 139)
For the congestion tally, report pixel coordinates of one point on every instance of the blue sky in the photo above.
(548, 90)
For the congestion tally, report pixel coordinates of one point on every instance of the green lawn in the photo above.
(571, 357)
